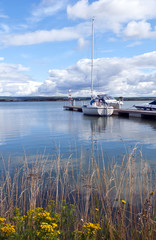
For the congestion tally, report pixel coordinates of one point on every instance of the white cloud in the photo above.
(139, 30)
(14, 82)
(40, 36)
(128, 19)
(120, 10)
(114, 14)
(46, 8)
(146, 60)
(115, 76)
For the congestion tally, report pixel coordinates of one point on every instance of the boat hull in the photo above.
(146, 107)
(97, 111)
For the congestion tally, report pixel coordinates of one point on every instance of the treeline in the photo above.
(63, 98)
(39, 99)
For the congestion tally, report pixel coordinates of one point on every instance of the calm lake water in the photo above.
(43, 128)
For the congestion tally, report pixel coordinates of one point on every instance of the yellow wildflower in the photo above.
(8, 229)
(2, 220)
(96, 209)
(91, 227)
(47, 231)
(44, 216)
(123, 201)
(46, 227)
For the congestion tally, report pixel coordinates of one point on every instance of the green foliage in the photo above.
(60, 221)
(67, 221)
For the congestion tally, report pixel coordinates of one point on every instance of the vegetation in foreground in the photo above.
(55, 201)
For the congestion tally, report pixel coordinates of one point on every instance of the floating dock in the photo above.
(122, 112)
(135, 113)
(73, 108)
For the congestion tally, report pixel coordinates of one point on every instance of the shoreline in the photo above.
(55, 98)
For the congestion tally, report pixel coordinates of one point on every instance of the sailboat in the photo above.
(117, 104)
(97, 106)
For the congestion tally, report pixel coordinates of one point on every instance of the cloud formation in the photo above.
(46, 8)
(116, 76)
(132, 20)
(124, 18)
(117, 10)
(40, 36)
(139, 30)
(134, 76)
(15, 82)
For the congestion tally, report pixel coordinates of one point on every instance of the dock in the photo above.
(135, 113)
(122, 112)
(73, 108)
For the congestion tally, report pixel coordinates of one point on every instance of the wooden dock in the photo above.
(121, 112)
(135, 113)
(73, 108)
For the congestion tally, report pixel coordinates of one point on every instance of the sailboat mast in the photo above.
(92, 57)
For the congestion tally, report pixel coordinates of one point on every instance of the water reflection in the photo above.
(34, 127)
(114, 128)
(97, 124)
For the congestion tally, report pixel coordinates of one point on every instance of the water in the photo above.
(43, 128)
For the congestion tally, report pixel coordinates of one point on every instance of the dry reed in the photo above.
(124, 195)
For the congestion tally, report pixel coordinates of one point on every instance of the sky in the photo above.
(45, 47)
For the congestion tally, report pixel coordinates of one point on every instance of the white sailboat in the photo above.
(97, 106)
(117, 104)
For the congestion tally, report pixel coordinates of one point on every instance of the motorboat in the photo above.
(147, 106)
(97, 106)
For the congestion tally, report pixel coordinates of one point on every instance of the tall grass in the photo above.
(121, 198)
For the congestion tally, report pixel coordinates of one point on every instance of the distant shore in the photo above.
(61, 98)
(39, 99)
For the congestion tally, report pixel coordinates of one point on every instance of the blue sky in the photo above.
(45, 47)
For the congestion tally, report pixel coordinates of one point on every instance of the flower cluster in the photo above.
(7, 229)
(43, 216)
(46, 226)
(91, 228)
(48, 231)
(2, 220)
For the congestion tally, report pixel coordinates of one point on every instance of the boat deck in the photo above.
(121, 112)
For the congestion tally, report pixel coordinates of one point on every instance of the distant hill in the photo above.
(62, 98)
(38, 99)
(139, 98)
